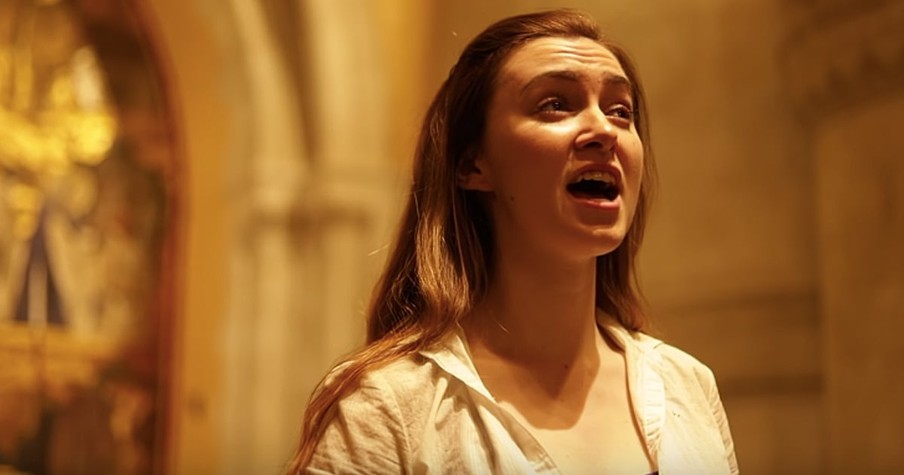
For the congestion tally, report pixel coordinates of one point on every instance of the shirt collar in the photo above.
(645, 383)
(643, 365)
(454, 357)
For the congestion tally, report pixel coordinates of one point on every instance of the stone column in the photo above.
(362, 95)
(266, 179)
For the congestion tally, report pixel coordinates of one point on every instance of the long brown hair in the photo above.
(442, 256)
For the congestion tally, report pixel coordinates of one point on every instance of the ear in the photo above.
(474, 174)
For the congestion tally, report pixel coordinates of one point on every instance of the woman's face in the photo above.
(560, 154)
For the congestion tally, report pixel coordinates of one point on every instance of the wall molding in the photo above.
(838, 58)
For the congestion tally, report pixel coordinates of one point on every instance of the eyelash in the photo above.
(624, 112)
(556, 105)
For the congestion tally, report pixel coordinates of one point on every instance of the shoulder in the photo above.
(369, 428)
(394, 385)
(675, 363)
(684, 362)
(404, 382)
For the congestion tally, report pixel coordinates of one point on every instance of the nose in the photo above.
(597, 131)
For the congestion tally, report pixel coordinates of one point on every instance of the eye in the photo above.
(552, 105)
(621, 112)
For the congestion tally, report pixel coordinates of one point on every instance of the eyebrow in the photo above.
(569, 75)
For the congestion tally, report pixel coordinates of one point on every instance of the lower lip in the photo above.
(603, 205)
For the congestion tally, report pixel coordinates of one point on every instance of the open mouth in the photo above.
(594, 185)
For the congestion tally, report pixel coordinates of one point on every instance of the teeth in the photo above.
(596, 175)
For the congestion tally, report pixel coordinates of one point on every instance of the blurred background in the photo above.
(197, 195)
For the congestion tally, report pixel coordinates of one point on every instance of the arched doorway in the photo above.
(90, 186)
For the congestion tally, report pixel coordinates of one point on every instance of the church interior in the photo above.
(197, 196)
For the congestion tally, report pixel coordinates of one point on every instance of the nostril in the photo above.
(599, 142)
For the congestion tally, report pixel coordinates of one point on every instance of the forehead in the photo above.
(541, 55)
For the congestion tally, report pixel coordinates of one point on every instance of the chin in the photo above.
(606, 241)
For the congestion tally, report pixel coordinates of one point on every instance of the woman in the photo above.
(505, 335)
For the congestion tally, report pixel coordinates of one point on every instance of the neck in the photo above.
(538, 310)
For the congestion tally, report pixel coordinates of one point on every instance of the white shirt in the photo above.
(430, 413)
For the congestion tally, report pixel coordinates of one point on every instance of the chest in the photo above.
(586, 424)
(603, 438)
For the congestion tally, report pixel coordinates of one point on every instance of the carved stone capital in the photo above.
(840, 58)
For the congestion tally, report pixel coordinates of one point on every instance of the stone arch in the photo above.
(91, 142)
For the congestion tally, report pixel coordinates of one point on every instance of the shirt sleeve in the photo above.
(715, 402)
(365, 435)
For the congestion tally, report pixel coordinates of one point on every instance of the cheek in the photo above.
(633, 162)
(525, 160)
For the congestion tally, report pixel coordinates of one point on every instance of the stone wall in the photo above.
(772, 254)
